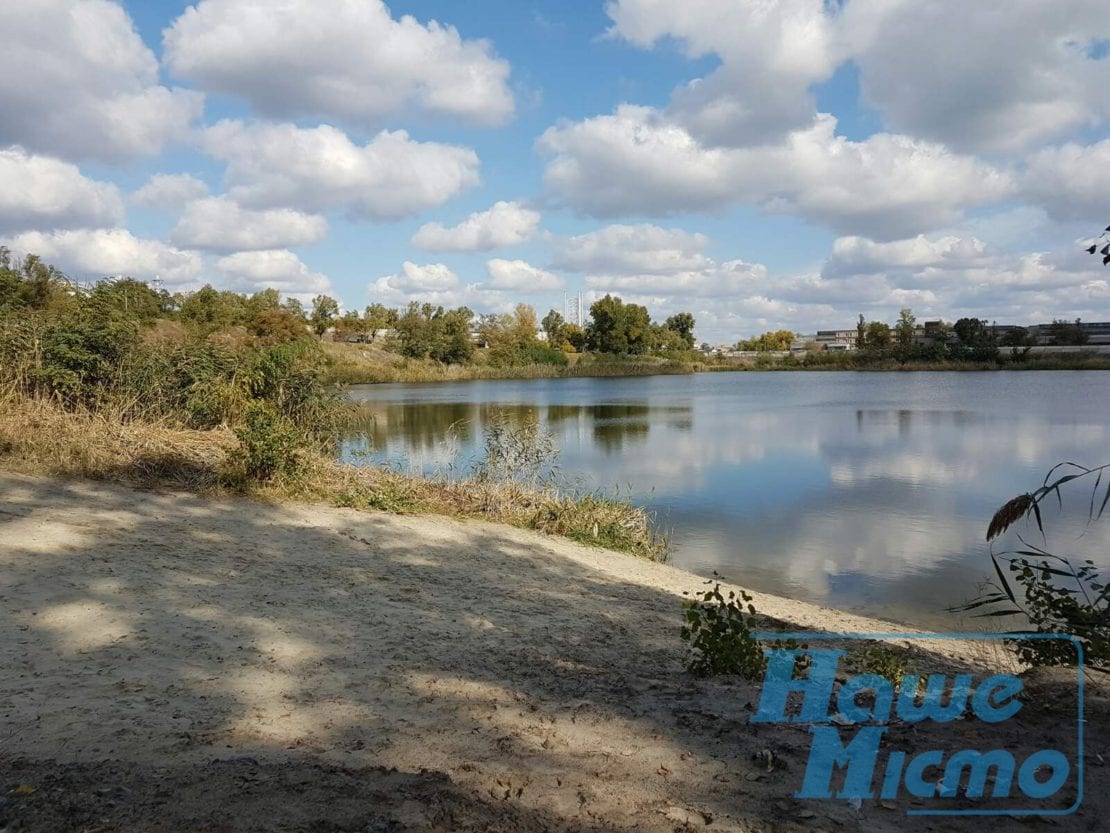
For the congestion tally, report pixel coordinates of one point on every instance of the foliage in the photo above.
(719, 634)
(430, 332)
(1067, 333)
(553, 324)
(324, 310)
(1054, 595)
(617, 327)
(771, 341)
(270, 445)
(682, 324)
(517, 452)
(904, 329)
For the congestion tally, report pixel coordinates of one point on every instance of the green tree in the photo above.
(553, 325)
(380, 317)
(876, 337)
(324, 310)
(427, 331)
(770, 341)
(904, 328)
(683, 324)
(616, 327)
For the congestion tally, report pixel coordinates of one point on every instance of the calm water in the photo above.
(864, 491)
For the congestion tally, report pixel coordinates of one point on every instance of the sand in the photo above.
(172, 662)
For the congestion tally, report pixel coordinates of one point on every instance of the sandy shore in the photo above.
(177, 663)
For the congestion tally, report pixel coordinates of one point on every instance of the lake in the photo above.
(869, 492)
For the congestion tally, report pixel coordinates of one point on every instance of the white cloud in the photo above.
(76, 81)
(520, 276)
(43, 193)
(320, 168)
(981, 76)
(771, 54)
(278, 269)
(625, 249)
(1071, 182)
(888, 186)
(861, 256)
(414, 279)
(999, 77)
(341, 60)
(220, 224)
(113, 252)
(505, 224)
(169, 192)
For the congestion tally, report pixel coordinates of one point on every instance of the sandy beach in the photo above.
(173, 662)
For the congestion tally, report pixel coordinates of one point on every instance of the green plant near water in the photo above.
(517, 452)
(1053, 594)
(271, 447)
(718, 631)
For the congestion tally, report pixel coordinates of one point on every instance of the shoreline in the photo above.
(278, 655)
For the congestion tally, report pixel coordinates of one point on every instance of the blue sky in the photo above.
(762, 165)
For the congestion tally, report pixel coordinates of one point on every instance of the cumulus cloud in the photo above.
(505, 224)
(1070, 182)
(1004, 77)
(771, 54)
(220, 224)
(520, 276)
(860, 256)
(43, 193)
(392, 176)
(112, 252)
(888, 186)
(169, 192)
(76, 81)
(414, 279)
(278, 269)
(981, 76)
(631, 249)
(341, 60)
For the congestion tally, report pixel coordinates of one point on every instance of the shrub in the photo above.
(718, 630)
(270, 446)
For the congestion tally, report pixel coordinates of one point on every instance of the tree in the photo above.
(324, 310)
(876, 336)
(1065, 333)
(683, 324)
(553, 325)
(380, 317)
(905, 327)
(616, 327)
(575, 336)
(770, 341)
(426, 331)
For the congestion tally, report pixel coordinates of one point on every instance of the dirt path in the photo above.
(176, 663)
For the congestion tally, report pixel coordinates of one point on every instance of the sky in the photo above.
(761, 164)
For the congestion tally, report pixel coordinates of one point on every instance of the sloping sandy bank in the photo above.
(242, 666)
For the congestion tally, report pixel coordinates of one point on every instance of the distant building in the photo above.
(1097, 332)
(837, 339)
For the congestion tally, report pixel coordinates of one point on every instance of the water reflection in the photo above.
(864, 491)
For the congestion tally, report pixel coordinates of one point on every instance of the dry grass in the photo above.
(39, 437)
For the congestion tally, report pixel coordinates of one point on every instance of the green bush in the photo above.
(718, 631)
(270, 446)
